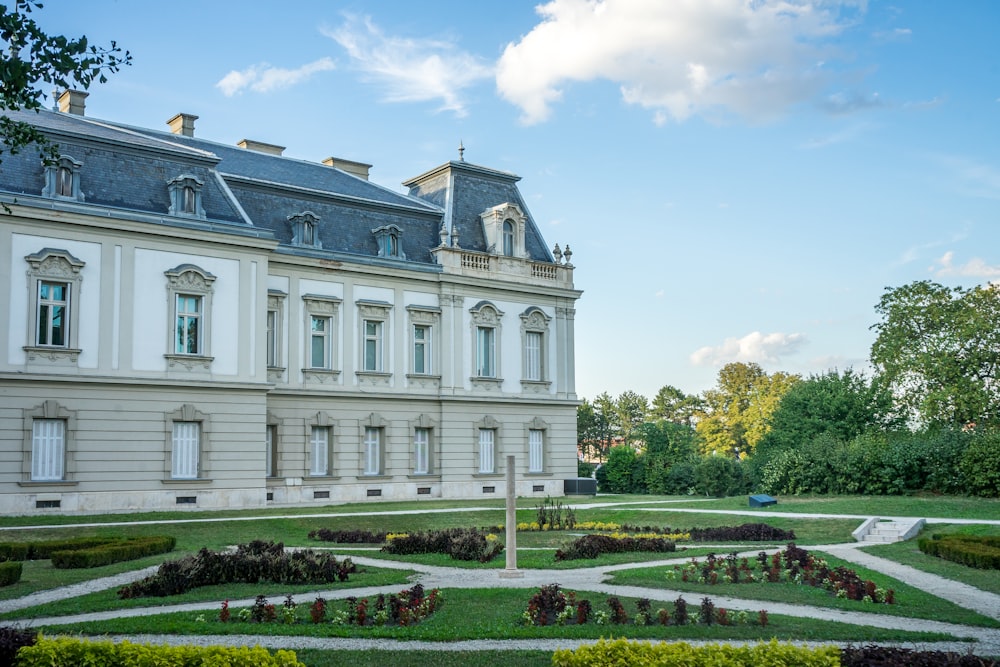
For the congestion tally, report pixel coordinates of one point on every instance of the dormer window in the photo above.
(503, 228)
(388, 240)
(62, 179)
(304, 231)
(185, 196)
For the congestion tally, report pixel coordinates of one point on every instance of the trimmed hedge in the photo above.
(10, 572)
(141, 546)
(624, 652)
(48, 652)
(114, 552)
(974, 551)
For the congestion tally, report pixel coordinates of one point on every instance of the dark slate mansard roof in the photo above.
(244, 190)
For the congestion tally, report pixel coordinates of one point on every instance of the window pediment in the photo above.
(305, 229)
(503, 229)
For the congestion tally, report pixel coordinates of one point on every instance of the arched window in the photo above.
(508, 238)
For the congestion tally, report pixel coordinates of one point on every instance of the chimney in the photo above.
(261, 147)
(72, 101)
(183, 124)
(359, 169)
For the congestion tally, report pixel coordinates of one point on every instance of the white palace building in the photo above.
(187, 324)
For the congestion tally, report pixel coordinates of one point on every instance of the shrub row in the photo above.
(884, 656)
(48, 652)
(459, 543)
(10, 572)
(113, 552)
(43, 550)
(251, 563)
(747, 532)
(592, 546)
(624, 652)
(348, 536)
(11, 640)
(972, 550)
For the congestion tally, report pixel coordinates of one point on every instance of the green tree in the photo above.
(844, 405)
(621, 473)
(937, 350)
(672, 404)
(30, 58)
(739, 408)
(631, 409)
(596, 426)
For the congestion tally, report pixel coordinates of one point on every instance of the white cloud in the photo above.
(263, 78)
(754, 59)
(411, 70)
(754, 347)
(974, 268)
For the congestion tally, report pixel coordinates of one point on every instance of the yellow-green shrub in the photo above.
(644, 654)
(71, 652)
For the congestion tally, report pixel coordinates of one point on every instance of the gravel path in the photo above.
(987, 641)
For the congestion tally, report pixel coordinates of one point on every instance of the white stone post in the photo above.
(511, 571)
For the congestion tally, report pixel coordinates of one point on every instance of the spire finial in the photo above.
(461, 151)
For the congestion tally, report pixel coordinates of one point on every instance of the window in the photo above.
(320, 343)
(536, 440)
(54, 279)
(534, 334)
(373, 451)
(271, 451)
(373, 345)
(190, 289)
(486, 366)
(486, 354)
(421, 451)
(48, 450)
(319, 451)
(275, 334)
(62, 179)
(387, 239)
(508, 238)
(185, 196)
(421, 349)
(53, 304)
(304, 230)
(487, 451)
(189, 337)
(533, 355)
(186, 449)
(373, 365)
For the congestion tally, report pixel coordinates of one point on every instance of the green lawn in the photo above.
(496, 614)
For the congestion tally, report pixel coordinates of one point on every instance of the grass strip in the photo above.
(496, 614)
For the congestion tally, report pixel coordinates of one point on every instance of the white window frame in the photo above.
(51, 266)
(48, 467)
(374, 327)
(186, 465)
(325, 308)
(189, 329)
(372, 346)
(487, 451)
(319, 451)
(48, 306)
(48, 450)
(372, 450)
(535, 373)
(422, 451)
(423, 349)
(275, 341)
(486, 345)
(186, 449)
(494, 221)
(188, 281)
(271, 448)
(428, 319)
(536, 450)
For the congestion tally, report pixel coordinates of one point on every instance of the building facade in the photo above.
(197, 325)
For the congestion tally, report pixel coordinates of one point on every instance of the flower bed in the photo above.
(250, 563)
(551, 606)
(592, 546)
(408, 607)
(793, 565)
(459, 543)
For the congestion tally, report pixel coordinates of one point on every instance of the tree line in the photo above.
(927, 419)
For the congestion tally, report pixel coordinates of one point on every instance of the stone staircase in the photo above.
(878, 531)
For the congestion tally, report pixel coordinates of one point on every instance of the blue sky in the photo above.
(739, 181)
